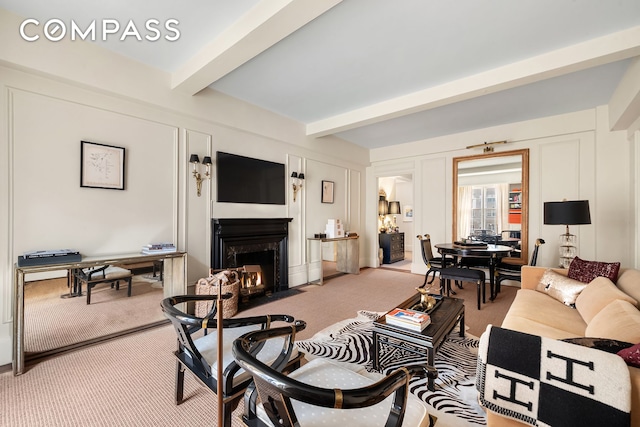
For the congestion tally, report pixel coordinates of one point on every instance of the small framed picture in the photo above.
(407, 213)
(327, 191)
(101, 166)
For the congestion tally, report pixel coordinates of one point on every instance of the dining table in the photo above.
(486, 251)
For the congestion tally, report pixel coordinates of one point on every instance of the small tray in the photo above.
(438, 299)
(470, 244)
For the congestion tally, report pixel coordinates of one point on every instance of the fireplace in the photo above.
(263, 242)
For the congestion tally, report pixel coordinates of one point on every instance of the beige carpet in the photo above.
(129, 381)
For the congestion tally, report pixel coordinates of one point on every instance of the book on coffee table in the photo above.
(409, 319)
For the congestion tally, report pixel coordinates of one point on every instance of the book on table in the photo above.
(410, 319)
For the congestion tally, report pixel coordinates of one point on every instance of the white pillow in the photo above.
(560, 287)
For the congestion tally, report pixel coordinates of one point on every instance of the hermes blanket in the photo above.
(546, 382)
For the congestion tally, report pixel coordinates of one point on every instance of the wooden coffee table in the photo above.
(444, 318)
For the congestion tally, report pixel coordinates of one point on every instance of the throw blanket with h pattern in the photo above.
(546, 382)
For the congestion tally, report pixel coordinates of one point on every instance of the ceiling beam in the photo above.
(624, 106)
(598, 51)
(260, 28)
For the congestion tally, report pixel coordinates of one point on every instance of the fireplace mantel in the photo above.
(230, 235)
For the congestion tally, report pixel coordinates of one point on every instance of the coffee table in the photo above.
(444, 318)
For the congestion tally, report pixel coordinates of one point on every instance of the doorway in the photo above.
(395, 221)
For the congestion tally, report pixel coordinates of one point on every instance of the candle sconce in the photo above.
(206, 161)
(296, 179)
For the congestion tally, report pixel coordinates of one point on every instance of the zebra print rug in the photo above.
(454, 402)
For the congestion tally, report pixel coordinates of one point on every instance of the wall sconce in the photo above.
(296, 180)
(206, 161)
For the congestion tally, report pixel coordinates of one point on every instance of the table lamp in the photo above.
(383, 209)
(567, 213)
(394, 209)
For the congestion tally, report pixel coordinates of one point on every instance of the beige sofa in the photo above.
(602, 311)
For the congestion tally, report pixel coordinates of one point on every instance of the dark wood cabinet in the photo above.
(392, 245)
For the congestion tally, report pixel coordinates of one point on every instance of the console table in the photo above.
(347, 259)
(174, 283)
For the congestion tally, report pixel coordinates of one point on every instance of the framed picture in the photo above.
(327, 191)
(101, 166)
(407, 213)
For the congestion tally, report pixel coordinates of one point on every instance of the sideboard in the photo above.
(392, 245)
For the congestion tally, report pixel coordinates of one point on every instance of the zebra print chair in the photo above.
(317, 393)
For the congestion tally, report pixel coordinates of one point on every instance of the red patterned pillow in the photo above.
(586, 271)
(631, 355)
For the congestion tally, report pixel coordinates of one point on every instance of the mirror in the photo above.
(490, 200)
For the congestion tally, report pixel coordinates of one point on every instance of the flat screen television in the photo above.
(246, 180)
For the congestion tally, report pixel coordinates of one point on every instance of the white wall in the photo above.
(47, 112)
(572, 156)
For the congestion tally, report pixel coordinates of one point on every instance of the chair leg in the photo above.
(179, 382)
(449, 288)
(227, 410)
(426, 276)
(129, 287)
(433, 277)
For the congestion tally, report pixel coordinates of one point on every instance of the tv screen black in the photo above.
(246, 180)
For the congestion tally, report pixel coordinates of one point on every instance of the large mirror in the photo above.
(490, 200)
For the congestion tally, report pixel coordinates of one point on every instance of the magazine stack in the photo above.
(158, 248)
(409, 319)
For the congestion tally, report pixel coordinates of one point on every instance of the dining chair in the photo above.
(506, 271)
(324, 392)
(434, 263)
(198, 350)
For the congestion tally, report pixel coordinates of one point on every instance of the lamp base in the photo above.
(568, 249)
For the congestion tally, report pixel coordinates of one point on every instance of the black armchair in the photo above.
(197, 349)
(315, 391)
(434, 263)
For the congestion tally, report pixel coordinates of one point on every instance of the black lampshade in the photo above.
(383, 207)
(572, 212)
(194, 159)
(206, 160)
(294, 174)
(301, 176)
(394, 208)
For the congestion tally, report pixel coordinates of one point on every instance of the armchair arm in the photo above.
(187, 324)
